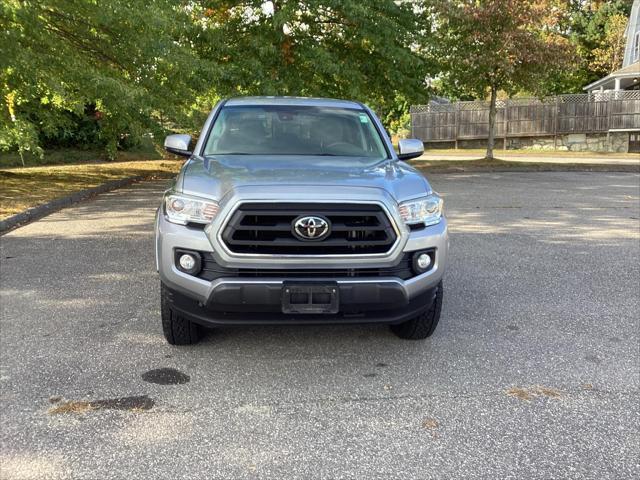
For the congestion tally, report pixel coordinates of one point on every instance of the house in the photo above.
(627, 77)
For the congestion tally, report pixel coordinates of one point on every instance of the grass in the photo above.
(23, 188)
(484, 165)
(527, 152)
(64, 156)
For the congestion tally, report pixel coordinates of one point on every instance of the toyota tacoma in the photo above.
(298, 211)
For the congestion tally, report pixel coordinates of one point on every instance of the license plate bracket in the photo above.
(310, 297)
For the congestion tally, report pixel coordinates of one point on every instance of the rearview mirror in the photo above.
(410, 148)
(178, 144)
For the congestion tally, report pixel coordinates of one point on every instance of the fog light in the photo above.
(422, 261)
(187, 262)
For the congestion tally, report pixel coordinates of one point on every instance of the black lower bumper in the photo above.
(261, 304)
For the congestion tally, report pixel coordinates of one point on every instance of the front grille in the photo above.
(258, 228)
(212, 271)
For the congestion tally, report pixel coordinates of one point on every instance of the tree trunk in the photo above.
(492, 123)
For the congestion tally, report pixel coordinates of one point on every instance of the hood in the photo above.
(216, 176)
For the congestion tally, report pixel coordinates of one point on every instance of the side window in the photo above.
(636, 47)
(365, 138)
(216, 131)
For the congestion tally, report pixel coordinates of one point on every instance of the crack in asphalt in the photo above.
(347, 400)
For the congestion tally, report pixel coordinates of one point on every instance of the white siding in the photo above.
(632, 49)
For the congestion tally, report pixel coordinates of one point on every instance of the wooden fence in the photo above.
(528, 117)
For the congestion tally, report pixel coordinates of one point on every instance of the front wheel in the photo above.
(423, 325)
(177, 329)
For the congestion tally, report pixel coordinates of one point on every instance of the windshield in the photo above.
(294, 130)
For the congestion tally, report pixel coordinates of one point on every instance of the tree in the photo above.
(128, 67)
(345, 49)
(123, 62)
(484, 46)
(608, 56)
(597, 28)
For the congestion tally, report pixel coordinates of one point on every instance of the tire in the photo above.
(423, 325)
(177, 329)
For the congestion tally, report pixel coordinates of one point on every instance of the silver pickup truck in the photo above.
(298, 211)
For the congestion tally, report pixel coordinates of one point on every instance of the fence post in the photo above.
(456, 120)
(609, 108)
(505, 123)
(555, 122)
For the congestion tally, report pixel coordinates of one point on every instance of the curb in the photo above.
(56, 204)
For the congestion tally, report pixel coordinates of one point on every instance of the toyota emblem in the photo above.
(311, 228)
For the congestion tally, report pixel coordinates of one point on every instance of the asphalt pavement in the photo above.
(533, 372)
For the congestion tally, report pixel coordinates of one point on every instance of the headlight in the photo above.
(183, 209)
(427, 210)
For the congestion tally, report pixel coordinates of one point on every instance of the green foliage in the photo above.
(509, 45)
(397, 119)
(104, 75)
(344, 49)
(23, 136)
(609, 55)
(129, 60)
(484, 46)
(591, 26)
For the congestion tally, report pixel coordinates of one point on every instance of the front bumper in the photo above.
(260, 304)
(170, 236)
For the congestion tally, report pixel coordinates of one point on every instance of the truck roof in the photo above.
(294, 101)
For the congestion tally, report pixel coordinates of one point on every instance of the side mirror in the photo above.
(178, 144)
(410, 148)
